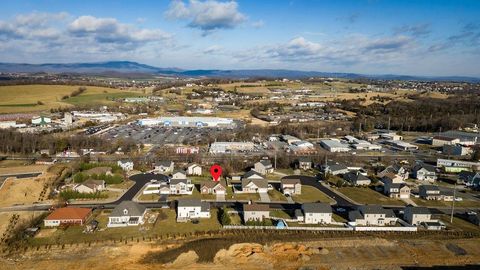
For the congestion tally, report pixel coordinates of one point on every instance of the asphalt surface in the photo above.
(140, 181)
(313, 182)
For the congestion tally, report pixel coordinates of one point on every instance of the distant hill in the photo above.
(127, 67)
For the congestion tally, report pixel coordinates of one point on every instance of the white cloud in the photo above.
(258, 24)
(207, 15)
(214, 49)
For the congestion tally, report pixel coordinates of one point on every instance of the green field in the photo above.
(311, 194)
(32, 98)
(368, 196)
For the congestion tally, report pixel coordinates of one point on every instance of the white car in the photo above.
(458, 199)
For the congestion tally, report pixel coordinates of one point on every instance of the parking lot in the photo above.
(165, 135)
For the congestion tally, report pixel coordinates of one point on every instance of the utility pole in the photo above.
(389, 123)
(275, 162)
(453, 202)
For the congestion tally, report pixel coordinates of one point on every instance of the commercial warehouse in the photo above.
(182, 121)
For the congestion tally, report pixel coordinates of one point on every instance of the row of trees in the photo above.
(421, 114)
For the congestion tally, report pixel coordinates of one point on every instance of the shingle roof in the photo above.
(261, 183)
(69, 213)
(133, 208)
(205, 206)
(177, 181)
(419, 210)
(317, 208)
(256, 207)
(250, 173)
(372, 209)
(290, 181)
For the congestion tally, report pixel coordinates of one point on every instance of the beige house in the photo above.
(263, 167)
(212, 187)
(254, 186)
(194, 169)
(416, 215)
(255, 212)
(291, 186)
(90, 186)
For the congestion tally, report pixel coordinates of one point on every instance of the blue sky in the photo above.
(370, 37)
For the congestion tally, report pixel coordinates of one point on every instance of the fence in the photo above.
(358, 229)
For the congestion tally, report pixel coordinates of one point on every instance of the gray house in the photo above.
(356, 178)
(372, 215)
(424, 172)
(255, 212)
(416, 215)
(163, 167)
(317, 213)
(127, 213)
(263, 167)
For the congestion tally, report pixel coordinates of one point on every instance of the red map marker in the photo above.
(216, 172)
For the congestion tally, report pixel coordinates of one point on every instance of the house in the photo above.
(90, 186)
(211, 187)
(424, 172)
(444, 140)
(163, 167)
(127, 213)
(429, 192)
(396, 190)
(98, 171)
(334, 168)
(467, 177)
(291, 186)
(263, 167)
(456, 150)
(393, 178)
(254, 186)
(255, 212)
(179, 175)
(252, 175)
(395, 169)
(299, 215)
(67, 216)
(188, 209)
(356, 178)
(194, 169)
(372, 215)
(126, 165)
(317, 213)
(181, 186)
(416, 215)
(305, 163)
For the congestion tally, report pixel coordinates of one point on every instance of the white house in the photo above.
(255, 212)
(179, 175)
(263, 167)
(317, 213)
(254, 186)
(291, 186)
(163, 167)
(194, 169)
(424, 172)
(372, 215)
(126, 165)
(416, 215)
(188, 209)
(127, 213)
(181, 186)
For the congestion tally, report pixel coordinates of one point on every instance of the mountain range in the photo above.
(137, 69)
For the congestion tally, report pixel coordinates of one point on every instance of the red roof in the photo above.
(69, 213)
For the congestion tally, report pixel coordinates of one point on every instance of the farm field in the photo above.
(32, 98)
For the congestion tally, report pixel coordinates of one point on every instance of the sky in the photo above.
(424, 37)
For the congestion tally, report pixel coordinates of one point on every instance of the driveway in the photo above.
(220, 197)
(289, 199)
(264, 197)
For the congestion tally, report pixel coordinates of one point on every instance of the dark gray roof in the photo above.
(205, 206)
(354, 215)
(250, 173)
(317, 208)
(266, 163)
(428, 187)
(298, 213)
(163, 163)
(337, 167)
(177, 181)
(355, 176)
(427, 167)
(372, 209)
(256, 207)
(419, 210)
(304, 159)
(133, 208)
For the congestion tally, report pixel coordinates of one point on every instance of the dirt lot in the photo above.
(24, 216)
(25, 190)
(372, 253)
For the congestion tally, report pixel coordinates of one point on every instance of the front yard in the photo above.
(364, 195)
(312, 194)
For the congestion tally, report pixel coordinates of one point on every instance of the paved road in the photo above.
(140, 181)
(312, 181)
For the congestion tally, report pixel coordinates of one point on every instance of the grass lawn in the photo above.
(311, 194)
(244, 197)
(276, 195)
(30, 98)
(368, 196)
(459, 224)
(280, 214)
(148, 197)
(434, 203)
(338, 218)
(166, 224)
(235, 219)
